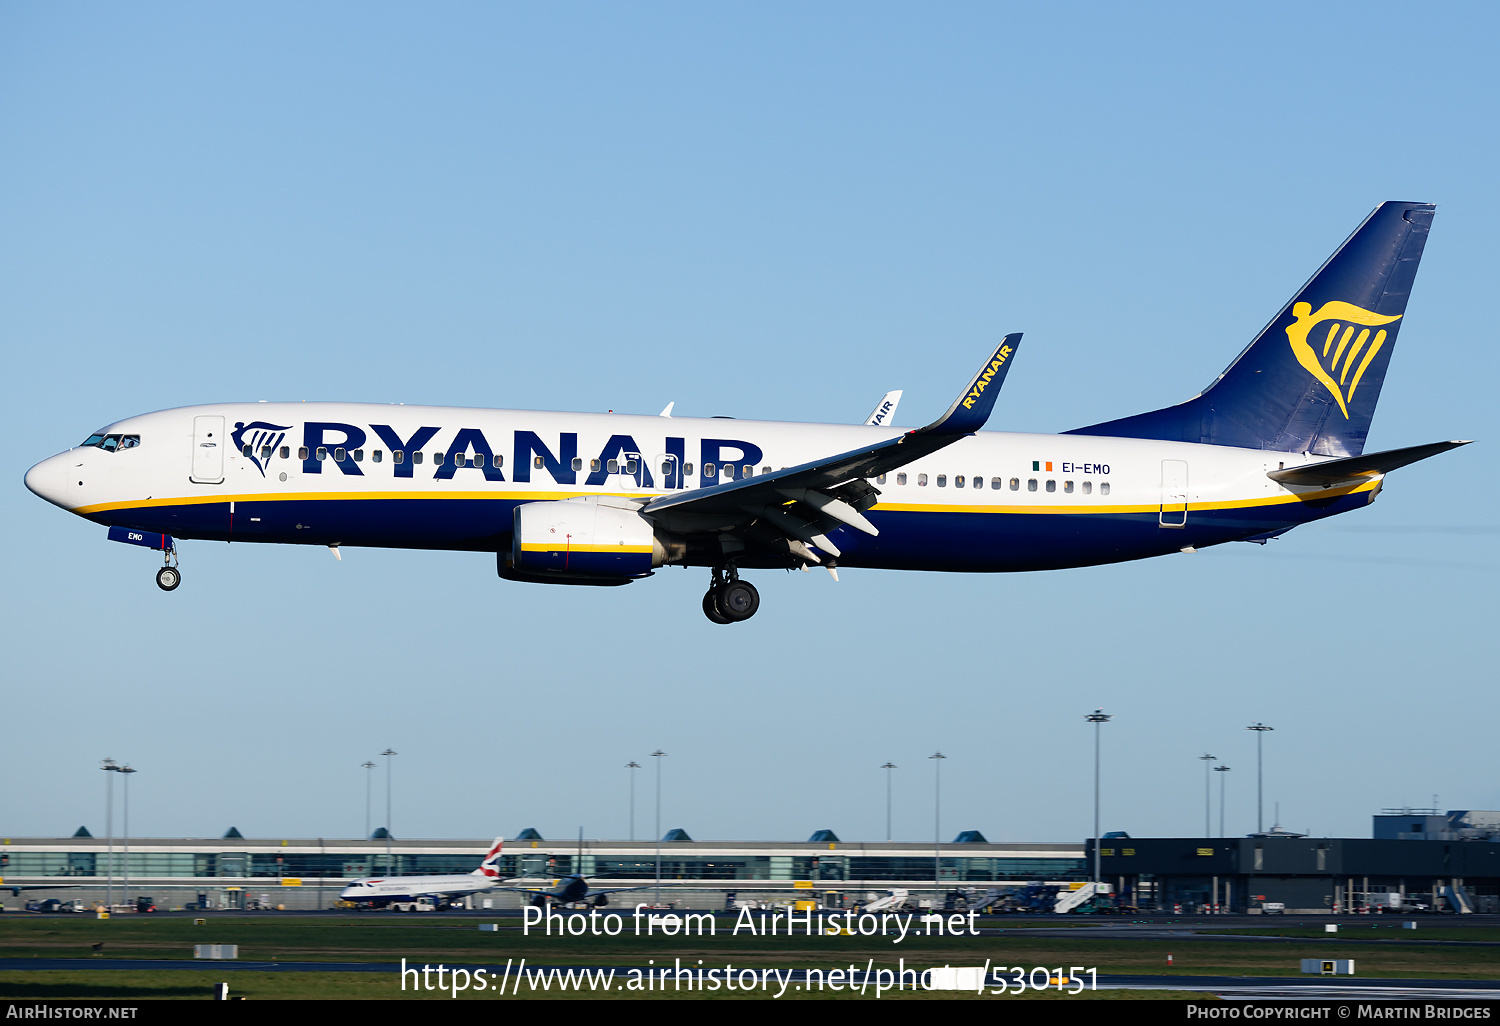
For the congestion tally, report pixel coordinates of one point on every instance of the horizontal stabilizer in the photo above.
(1369, 465)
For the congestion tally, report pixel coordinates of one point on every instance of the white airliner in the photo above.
(382, 890)
(603, 499)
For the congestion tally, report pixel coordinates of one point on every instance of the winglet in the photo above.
(885, 410)
(972, 408)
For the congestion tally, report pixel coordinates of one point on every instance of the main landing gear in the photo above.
(729, 599)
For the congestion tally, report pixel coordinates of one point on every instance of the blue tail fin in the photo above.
(1310, 380)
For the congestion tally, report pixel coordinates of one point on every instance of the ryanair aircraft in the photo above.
(602, 499)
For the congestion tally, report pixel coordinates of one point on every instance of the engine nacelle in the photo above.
(591, 536)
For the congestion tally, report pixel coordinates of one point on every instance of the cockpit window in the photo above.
(111, 443)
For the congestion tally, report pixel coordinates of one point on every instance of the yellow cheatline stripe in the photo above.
(635, 549)
(203, 500)
(1082, 507)
(1089, 507)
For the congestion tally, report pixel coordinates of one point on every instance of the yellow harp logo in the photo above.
(1333, 364)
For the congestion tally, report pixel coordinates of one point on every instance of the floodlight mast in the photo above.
(1098, 718)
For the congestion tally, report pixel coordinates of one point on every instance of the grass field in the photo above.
(459, 942)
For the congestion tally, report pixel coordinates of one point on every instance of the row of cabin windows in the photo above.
(999, 483)
(630, 466)
(358, 455)
(627, 466)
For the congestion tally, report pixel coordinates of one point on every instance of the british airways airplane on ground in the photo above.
(602, 499)
(382, 890)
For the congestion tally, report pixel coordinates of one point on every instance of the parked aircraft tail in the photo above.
(490, 867)
(1310, 380)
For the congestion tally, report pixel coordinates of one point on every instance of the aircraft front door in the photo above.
(208, 450)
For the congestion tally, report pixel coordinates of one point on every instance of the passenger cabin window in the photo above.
(338, 455)
(437, 459)
(359, 455)
(302, 452)
(958, 481)
(613, 466)
(538, 463)
(880, 479)
(1067, 486)
(322, 452)
(1088, 487)
(499, 461)
(416, 457)
(247, 449)
(593, 466)
(631, 466)
(901, 479)
(708, 470)
(767, 470)
(377, 456)
(997, 483)
(687, 470)
(942, 481)
(577, 463)
(729, 471)
(921, 480)
(1103, 487)
(1051, 486)
(398, 456)
(286, 451)
(1031, 484)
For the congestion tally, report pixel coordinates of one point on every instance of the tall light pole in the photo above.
(657, 755)
(1207, 803)
(1098, 718)
(389, 860)
(632, 766)
(888, 767)
(937, 833)
(367, 766)
(126, 770)
(109, 766)
(1260, 805)
(1221, 768)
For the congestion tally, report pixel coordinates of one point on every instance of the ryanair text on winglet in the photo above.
(985, 376)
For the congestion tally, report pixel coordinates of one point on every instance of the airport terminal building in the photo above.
(238, 872)
(1431, 870)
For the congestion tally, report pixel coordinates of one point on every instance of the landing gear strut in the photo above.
(169, 576)
(729, 599)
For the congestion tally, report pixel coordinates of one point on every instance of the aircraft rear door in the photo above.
(1174, 487)
(208, 450)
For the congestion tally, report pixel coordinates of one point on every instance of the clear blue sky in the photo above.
(762, 210)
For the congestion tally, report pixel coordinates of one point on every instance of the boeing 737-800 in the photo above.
(603, 499)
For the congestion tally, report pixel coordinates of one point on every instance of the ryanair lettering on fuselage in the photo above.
(986, 376)
(469, 448)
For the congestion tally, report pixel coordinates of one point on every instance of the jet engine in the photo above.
(587, 540)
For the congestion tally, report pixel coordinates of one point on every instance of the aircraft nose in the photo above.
(48, 480)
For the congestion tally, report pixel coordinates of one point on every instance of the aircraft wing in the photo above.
(642, 887)
(787, 510)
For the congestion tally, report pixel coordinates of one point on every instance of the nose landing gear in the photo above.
(169, 576)
(729, 599)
